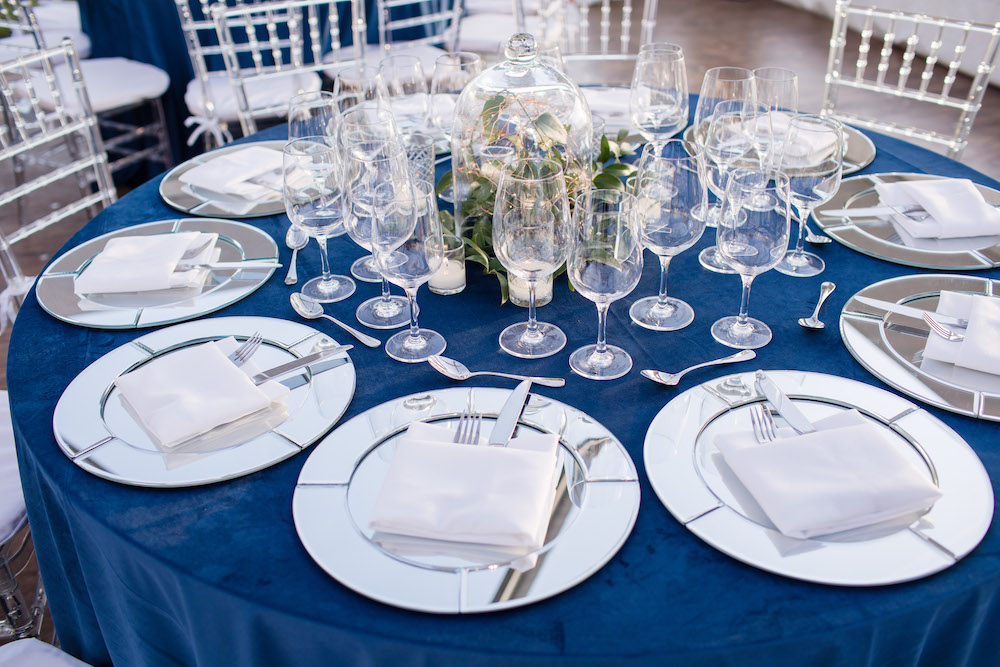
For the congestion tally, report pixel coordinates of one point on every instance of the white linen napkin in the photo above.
(189, 392)
(956, 207)
(145, 263)
(805, 148)
(979, 351)
(611, 103)
(845, 475)
(441, 490)
(230, 173)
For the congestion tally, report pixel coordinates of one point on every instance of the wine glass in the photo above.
(659, 160)
(531, 230)
(605, 264)
(452, 71)
(658, 101)
(409, 248)
(813, 161)
(778, 92)
(666, 201)
(358, 85)
(369, 162)
(752, 239)
(313, 114)
(405, 85)
(313, 201)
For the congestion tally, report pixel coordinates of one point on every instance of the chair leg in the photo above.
(17, 620)
(161, 131)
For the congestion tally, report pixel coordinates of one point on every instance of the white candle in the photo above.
(518, 290)
(450, 278)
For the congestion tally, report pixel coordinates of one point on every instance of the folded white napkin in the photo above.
(846, 475)
(466, 493)
(612, 104)
(189, 392)
(803, 148)
(979, 351)
(956, 207)
(145, 263)
(230, 173)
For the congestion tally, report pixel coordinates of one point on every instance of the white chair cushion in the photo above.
(12, 512)
(486, 33)
(498, 7)
(374, 54)
(263, 93)
(59, 14)
(23, 44)
(34, 653)
(111, 83)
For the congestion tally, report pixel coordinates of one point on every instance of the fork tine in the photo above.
(249, 347)
(770, 430)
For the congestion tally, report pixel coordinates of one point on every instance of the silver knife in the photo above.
(506, 422)
(296, 364)
(782, 404)
(910, 311)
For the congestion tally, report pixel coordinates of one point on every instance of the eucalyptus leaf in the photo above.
(550, 126)
(607, 182)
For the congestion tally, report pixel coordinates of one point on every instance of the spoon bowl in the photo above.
(295, 239)
(456, 370)
(671, 379)
(312, 310)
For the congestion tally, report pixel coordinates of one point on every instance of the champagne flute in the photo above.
(531, 230)
(813, 161)
(666, 202)
(313, 202)
(405, 85)
(313, 114)
(778, 92)
(658, 101)
(752, 239)
(409, 248)
(605, 264)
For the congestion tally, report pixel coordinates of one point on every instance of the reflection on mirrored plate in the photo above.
(94, 429)
(878, 237)
(191, 199)
(891, 345)
(596, 503)
(859, 154)
(692, 481)
(238, 242)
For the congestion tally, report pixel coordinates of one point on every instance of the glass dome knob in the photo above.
(520, 48)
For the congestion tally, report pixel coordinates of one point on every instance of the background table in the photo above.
(216, 575)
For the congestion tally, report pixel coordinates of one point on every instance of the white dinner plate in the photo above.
(238, 242)
(596, 503)
(96, 431)
(691, 480)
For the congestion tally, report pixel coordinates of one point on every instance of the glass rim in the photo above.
(290, 147)
(714, 72)
(670, 47)
(785, 73)
(462, 57)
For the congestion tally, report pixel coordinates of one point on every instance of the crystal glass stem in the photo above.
(328, 283)
(801, 214)
(602, 327)
(414, 341)
(531, 333)
(662, 297)
(741, 319)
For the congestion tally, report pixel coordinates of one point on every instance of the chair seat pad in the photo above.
(23, 44)
(111, 83)
(263, 93)
(487, 33)
(12, 512)
(58, 14)
(32, 652)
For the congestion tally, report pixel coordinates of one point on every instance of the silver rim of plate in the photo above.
(190, 200)
(878, 237)
(96, 432)
(596, 506)
(238, 242)
(684, 469)
(859, 154)
(890, 346)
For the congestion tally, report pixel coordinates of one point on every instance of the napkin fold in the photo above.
(805, 148)
(612, 104)
(441, 490)
(956, 207)
(189, 392)
(846, 475)
(145, 263)
(231, 172)
(979, 351)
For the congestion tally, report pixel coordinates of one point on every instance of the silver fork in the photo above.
(469, 424)
(240, 355)
(942, 330)
(762, 423)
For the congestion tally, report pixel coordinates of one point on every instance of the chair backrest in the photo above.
(19, 21)
(434, 22)
(270, 39)
(66, 121)
(931, 78)
(600, 29)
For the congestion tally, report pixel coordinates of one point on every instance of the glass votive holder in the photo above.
(517, 290)
(420, 154)
(450, 278)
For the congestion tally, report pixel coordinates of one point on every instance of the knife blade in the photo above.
(782, 404)
(910, 311)
(296, 364)
(506, 422)
(859, 212)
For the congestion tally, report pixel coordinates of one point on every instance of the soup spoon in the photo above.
(311, 310)
(295, 239)
(671, 379)
(456, 370)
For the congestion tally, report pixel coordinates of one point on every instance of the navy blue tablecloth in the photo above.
(216, 575)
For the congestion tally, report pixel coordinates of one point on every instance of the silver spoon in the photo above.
(311, 310)
(294, 239)
(671, 379)
(812, 322)
(815, 239)
(456, 370)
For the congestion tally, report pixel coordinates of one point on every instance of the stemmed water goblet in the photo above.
(531, 233)
(812, 158)
(778, 93)
(666, 201)
(404, 83)
(311, 190)
(409, 248)
(605, 264)
(658, 101)
(752, 238)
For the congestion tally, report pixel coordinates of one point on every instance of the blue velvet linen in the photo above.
(216, 575)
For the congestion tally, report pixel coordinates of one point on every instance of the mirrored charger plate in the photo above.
(94, 429)
(891, 346)
(859, 153)
(877, 237)
(690, 478)
(596, 503)
(238, 242)
(191, 199)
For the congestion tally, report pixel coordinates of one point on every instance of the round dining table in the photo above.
(217, 575)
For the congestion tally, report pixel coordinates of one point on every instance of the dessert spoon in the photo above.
(456, 370)
(671, 379)
(311, 310)
(294, 239)
(813, 322)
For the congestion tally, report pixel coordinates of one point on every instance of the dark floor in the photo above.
(747, 33)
